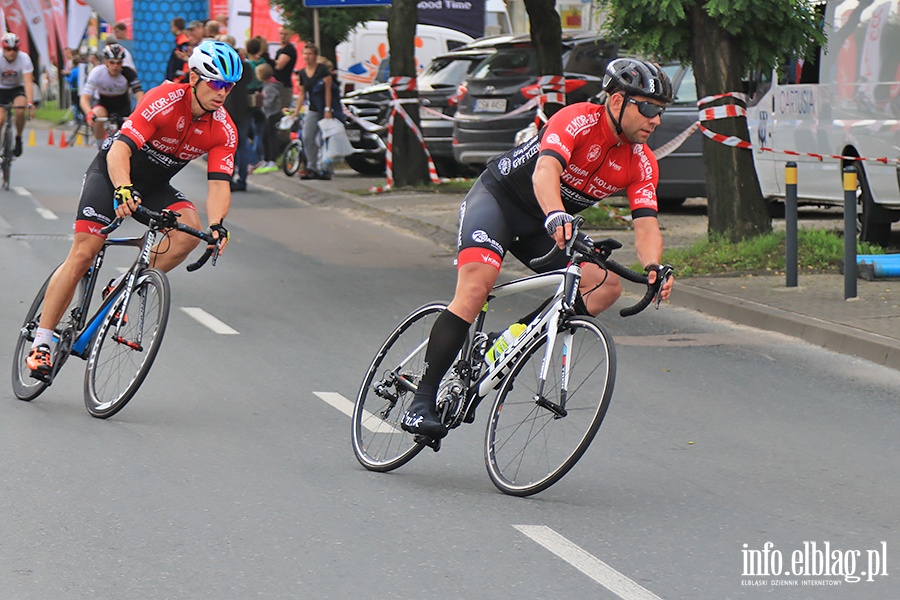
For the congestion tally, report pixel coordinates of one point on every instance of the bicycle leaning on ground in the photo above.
(121, 339)
(554, 383)
(7, 136)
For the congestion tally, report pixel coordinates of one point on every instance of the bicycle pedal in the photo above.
(427, 441)
(42, 377)
(132, 345)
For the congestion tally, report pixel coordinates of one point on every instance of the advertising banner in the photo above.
(79, 15)
(15, 21)
(467, 16)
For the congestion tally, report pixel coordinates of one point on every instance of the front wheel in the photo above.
(294, 158)
(7, 157)
(532, 439)
(386, 391)
(126, 345)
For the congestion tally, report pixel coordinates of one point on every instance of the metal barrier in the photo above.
(790, 228)
(850, 232)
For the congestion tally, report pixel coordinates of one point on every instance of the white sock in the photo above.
(43, 336)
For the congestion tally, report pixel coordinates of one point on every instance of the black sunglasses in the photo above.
(647, 108)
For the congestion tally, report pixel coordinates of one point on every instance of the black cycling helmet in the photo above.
(635, 77)
(113, 52)
(638, 77)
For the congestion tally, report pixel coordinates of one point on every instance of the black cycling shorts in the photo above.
(95, 208)
(8, 95)
(116, 105)
(491, 223)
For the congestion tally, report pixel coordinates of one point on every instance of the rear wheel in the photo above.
(25, 387)
(533, 439)
(294, 159)
(386, 391)
(871, 226)
(121, 356)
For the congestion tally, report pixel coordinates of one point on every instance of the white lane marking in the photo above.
(44, 212)
(204, 318)
(370, 421)
(588, 564)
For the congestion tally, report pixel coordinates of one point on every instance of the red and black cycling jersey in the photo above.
(596, 163)
(164, 137)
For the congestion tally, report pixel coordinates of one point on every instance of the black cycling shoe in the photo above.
(17, 149)
(421, 418)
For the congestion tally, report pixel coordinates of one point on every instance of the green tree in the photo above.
(722, 39)
(335, 24)
(409, 165)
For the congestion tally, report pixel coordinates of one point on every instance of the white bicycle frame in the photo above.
(533, 330)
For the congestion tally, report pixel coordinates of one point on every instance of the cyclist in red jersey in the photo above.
(524, 201)
(171, 125)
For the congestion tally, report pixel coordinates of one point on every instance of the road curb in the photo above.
(832, 336)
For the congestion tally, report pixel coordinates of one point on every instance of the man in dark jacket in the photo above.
(238, 106)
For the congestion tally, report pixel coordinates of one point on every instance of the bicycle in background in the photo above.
(554, 383)
(122, 337)
(7, 141)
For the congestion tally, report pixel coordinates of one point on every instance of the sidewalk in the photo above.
(815, 311)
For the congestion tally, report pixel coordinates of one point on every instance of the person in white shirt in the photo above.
(16, 85)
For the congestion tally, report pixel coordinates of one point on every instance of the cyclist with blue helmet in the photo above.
(173, 124)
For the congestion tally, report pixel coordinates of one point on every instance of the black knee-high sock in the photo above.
(447, 336)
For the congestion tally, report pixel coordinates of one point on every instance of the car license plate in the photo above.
(494, 105)
(354, 135)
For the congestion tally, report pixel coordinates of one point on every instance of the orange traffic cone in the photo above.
(62, 139)
(50, 139)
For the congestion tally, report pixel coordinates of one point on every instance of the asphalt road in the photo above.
(230, 476)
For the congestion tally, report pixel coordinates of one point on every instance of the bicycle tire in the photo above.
(378, 442)
(25, 387)
(294, 158)
(116, 369)
(527, 447)
(6, 162)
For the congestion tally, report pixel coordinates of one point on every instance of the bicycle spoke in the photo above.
(378, 441)
(529, 447)
(126, 345)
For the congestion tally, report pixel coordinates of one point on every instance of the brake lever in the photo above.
(663, 276)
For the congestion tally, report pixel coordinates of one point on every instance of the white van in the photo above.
(359, 58)
(846, 103)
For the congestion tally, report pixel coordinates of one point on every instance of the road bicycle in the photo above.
(7, 137)
(122, 337)
(554, 383)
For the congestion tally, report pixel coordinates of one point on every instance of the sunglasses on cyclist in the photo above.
(647, 108)
(219, 85)
(113, 61)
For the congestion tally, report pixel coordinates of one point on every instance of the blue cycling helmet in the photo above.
(216, 61)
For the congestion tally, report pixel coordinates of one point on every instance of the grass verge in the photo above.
(818, 251)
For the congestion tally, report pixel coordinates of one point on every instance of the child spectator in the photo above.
(272, 92)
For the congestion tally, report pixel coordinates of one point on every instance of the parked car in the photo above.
(489, 112)
(438, 90)
(682, 174)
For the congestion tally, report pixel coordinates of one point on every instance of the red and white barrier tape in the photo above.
(402, 84)
(734, 110)
(553, 89)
